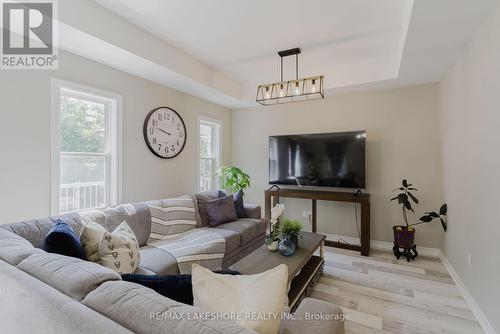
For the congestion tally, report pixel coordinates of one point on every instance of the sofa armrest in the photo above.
(253, 210)
(315, 316)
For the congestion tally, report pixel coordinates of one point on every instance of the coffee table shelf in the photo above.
(307, 277)
(304, 267)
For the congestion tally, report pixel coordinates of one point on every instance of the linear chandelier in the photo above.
(297, 90)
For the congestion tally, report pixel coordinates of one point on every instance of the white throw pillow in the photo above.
(119, 250)
(90, 238)
(260, 296)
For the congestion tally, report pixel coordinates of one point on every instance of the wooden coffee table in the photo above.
(304, 267)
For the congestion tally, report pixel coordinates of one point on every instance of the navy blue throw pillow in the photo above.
(62, 239)
(175, 287)
(238, 203)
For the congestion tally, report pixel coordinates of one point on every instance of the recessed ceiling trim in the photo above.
(368, 44)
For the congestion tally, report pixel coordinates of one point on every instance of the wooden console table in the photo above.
(334, 196)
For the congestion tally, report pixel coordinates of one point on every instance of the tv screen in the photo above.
(318, 160)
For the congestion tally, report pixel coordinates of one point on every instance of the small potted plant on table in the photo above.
(272, 241)
(404, 236)
(289, 232)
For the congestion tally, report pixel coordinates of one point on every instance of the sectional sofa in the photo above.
(50, 293)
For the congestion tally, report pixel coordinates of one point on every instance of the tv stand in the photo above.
(334, 196)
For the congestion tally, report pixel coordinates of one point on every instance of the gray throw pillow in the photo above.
(221, 210)
(202, 199)
(239, 205)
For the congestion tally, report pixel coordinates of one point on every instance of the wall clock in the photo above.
(164, 132)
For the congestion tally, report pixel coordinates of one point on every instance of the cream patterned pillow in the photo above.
(261, 295)
(119, 250)
(90, 238)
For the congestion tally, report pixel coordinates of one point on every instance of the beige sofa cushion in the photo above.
(119, 250)
(232, 238)
(93, 216)
(137, 216)
(73, 277)
(35, 230)
(248, 228)
(144, 311)
(158, 261)
(260, 294)
(27, 305)
(14, 249)
(253, 210)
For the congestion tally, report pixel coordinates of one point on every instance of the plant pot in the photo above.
(403, 237)
(286, 246)
(295, 239)
(272, 245)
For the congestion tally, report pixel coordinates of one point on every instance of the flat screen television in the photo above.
(318, 160)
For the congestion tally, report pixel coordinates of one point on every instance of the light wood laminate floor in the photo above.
(385, 295)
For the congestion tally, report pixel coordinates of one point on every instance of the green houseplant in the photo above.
(430, 216)
(290, 228)
(232, 178)
(404, 236)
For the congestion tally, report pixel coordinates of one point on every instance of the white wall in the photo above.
(470, 121)
(403, 142)
(25, 136)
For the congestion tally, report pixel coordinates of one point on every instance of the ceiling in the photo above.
(356, 44)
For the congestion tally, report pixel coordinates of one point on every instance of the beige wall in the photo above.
(470, 120)
(403, 141)
(25, 136)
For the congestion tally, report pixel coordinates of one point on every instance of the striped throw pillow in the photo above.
(171, 217)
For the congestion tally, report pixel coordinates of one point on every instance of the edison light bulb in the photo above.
(313, 88)
(297, 90)
(282, 92)
(268, 96)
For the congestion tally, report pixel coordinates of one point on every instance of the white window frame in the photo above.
(113, 191)
(217, 144)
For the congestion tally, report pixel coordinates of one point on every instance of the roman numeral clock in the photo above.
(164, 132)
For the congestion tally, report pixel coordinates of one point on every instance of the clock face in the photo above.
(164, 132)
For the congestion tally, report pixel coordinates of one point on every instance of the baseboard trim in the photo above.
(383, 245)
(474, 306)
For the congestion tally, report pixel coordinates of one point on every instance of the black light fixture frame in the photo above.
(287, 53)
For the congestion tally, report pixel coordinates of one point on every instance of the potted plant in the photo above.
(289, 234)
(272, 240)
(430, 216)
(233, 179)
(404, 236)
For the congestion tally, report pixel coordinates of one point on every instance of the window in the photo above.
(86, 172)
(209, 150)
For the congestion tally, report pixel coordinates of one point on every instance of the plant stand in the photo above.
(407, 252)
